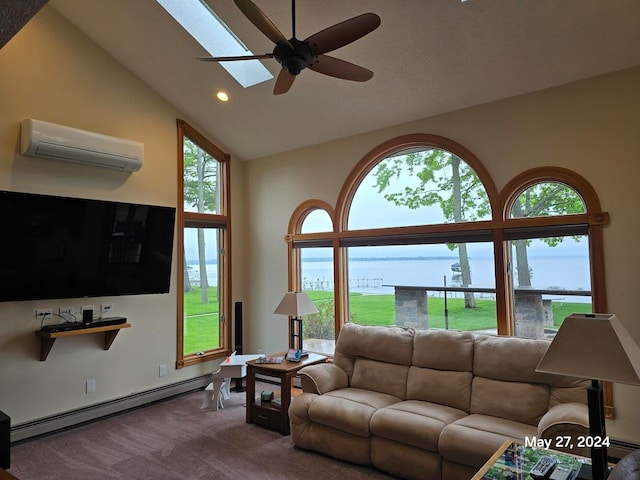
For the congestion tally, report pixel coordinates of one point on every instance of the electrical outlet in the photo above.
(91, 385)
(43, 313)
(106, 307)
(66, 311)
(163, 370)
(86, 307)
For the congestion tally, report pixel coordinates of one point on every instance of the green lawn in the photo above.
(201, 320)
(201, 330)
(380, 310)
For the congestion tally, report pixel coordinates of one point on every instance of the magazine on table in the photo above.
(270, 359)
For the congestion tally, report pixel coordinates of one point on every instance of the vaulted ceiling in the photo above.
(428, 56)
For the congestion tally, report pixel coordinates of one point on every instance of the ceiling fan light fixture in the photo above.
(294, 60)
(295, 55)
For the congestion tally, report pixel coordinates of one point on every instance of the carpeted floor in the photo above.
(175, 439)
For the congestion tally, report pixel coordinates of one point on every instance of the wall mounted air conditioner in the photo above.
(47, 140)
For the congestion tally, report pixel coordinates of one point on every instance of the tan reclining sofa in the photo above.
(431, 404)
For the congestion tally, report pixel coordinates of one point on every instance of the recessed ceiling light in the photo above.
(197, 18)
(222, 96)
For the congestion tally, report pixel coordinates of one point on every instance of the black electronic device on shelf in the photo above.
(69, 326)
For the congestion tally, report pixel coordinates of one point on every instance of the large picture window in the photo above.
(422, 238)
(204, 239)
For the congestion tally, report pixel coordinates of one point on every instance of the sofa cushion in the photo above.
(414, 423)
(348, 409)
(443, 350)
(385, 344)
(404, 461)
(334, 443)
(569, 394)
(517, 401)
(444, 387)
(322, 378)
(473, 439)
(380, 377)
(509, 358)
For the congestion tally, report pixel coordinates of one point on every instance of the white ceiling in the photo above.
(428, 56)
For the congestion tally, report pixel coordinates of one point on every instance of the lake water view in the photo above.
(377, 276)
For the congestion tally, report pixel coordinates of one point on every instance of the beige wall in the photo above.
(591, 127)
(52, 72)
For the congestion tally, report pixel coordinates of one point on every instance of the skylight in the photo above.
(216, 37)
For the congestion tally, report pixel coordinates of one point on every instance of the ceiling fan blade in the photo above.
(234, 59)
(283, 82)
(260, 20)
(335, 67)
(343, 33)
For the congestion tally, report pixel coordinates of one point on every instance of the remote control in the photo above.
(543, 468)
(561, 473)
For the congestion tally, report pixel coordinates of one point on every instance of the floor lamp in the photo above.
(598, 347)
(295, 304)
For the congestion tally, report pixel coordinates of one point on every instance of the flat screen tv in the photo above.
(58, 247)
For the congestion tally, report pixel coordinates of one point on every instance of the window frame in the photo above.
(221, 221)
(500, 228)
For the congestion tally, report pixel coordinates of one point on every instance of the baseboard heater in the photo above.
(618, 449)
(71, 418)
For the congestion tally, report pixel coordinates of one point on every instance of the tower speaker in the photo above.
(237, 328)
(5, 440)
(237, 341)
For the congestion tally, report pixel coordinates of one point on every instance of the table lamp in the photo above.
(295, 304)
(597, 347)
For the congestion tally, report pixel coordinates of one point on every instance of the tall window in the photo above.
(314, 273)
(204, 303)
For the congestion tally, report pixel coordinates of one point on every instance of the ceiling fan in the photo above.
(295, 55)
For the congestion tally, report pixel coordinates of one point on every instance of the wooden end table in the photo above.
(265, 413)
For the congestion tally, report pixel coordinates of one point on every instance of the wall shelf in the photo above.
(47, 339)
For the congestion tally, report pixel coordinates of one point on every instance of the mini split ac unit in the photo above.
(47, 140)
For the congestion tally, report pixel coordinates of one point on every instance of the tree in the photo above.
(445, 181)
(543, 199)
(201, 192)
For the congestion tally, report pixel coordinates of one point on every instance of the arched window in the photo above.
(313, 272)
(549, 264)
(418, 186)
(317, 220)
(400, 273)
(423, 239)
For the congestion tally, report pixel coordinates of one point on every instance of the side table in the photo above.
(268, 414)
(514, 461)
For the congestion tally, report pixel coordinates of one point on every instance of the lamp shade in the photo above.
(593, 346)
(295, 304)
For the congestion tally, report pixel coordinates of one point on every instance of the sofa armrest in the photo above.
(323, 378)
(566, 420)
